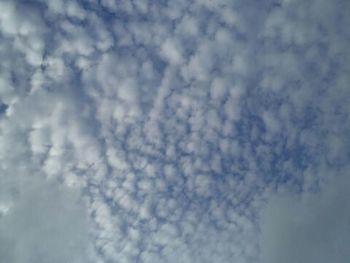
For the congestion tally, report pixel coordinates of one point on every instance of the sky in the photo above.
(149, 131)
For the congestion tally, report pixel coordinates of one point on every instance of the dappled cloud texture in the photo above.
(174, 119)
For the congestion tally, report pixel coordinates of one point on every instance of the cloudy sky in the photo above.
(151, 131)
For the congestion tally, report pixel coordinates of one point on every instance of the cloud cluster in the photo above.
(175, 119)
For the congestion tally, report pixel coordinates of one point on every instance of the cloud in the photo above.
(309, 228)
(175, 119)
(41, 221)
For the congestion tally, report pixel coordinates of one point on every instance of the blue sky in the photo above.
(174, 131)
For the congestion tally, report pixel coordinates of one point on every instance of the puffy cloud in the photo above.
(175, 119)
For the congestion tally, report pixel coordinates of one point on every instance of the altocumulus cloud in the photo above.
(175, 121)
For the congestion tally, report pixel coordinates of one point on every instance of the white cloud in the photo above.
(171, 50)
(174, 118)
